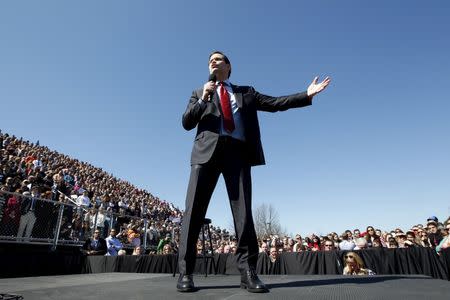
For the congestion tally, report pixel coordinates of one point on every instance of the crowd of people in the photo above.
(92, 197)
(107, 214)
(433, 234)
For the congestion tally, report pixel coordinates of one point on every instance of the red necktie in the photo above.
(228, 122)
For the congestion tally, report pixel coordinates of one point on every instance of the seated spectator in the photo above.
(95, 245)
(354, 265)
(113, 244)
(121, 252)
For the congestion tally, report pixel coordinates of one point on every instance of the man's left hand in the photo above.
(315, 87)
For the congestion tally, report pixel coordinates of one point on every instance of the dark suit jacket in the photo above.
(249, 102)
(99, 250)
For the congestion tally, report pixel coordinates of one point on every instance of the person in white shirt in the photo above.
(346, 243)
(101, 221)
(113, 244)
(83, 200)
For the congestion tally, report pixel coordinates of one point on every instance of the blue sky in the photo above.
(107, 82)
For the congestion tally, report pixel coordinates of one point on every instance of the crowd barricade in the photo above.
(28, 219)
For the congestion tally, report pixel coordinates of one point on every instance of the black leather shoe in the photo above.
(251, 282)
(185, 283)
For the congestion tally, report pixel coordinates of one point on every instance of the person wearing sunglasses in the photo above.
(354, 265)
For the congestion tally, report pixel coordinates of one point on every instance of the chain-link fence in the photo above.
(25, 218)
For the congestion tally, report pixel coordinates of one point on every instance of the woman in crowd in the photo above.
(424, 242)
(370, 235)
(354, 265)
(315, 245)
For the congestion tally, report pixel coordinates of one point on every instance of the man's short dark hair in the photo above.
(227, 61)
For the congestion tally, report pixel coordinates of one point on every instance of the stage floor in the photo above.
(114, 286)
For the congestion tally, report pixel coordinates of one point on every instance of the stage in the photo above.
(114, 286)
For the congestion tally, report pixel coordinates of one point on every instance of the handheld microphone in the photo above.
(212, 77)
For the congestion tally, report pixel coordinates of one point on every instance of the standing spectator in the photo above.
(95, 245)
(315, 246)
(112, 243)
(273, 254)
(346, 243)
(264, 248)
(100, 221)
(392, 243)
(445, 242)
(370, 235)
(163, 242)
(152, 235)
(11, 217)
(376, 243)
(167, 249)
(83, 201)
(77, 224)
(65, 229)
(28, 216)
(137, 250)
(298, 242)
(360, 243)
(85, 231)
(424, 241)
(410, 239)
(328, 245)
(434, 234)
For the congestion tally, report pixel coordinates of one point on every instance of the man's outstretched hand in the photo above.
(315, 87)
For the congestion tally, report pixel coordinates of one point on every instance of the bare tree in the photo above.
(267, 221)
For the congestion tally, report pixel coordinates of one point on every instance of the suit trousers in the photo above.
(229, 160)
(26, 224)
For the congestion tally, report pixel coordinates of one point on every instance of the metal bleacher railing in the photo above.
(27, 219)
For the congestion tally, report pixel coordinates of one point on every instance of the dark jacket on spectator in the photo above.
(99, 247)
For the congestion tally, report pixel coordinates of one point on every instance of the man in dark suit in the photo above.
(228, 143)
(95, 245)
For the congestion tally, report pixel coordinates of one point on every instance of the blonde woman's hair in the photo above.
(359, 263)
